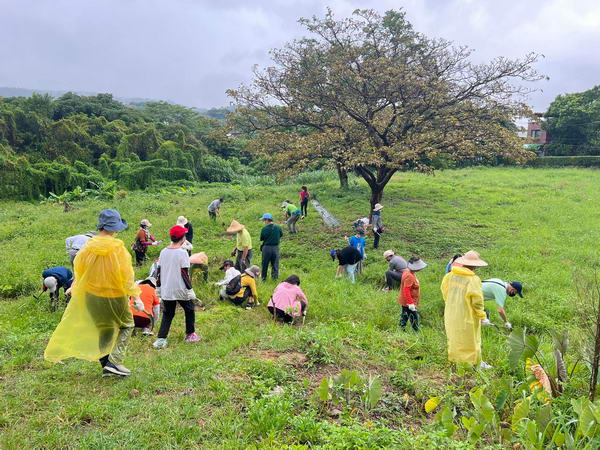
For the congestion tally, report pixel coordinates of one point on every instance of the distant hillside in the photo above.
(25, 92)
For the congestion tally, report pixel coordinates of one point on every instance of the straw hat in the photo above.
(199, 258)
(235, 227)
(378, 207)
(471, 259)
(388, 253)
(145, 223)
(253, 271)
(181, 220)
(416, 264)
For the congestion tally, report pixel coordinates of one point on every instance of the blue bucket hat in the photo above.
(110, 220)
(266, 216)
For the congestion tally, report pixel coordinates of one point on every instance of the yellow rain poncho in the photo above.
(463, 312)
(99, 306)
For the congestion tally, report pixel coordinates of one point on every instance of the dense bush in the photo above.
(566, 161)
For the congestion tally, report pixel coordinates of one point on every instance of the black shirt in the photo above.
(348, 255)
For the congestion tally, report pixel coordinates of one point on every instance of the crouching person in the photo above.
(230, 282)
(146, 318)
(54, 279)
(247, 288)
(288, 300)
(175, 286)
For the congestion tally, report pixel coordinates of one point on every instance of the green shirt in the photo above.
(495, 289)
(291, 209)
(243, 239)
(271, 234)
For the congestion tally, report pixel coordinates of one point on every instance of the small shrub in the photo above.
(269, 414)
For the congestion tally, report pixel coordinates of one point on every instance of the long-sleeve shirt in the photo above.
(376, 220)
(288, 298)
(410, 291)
(145, 238)
(63, 275)
(76, 243)
(271, 234)
(230, 274)
(189, 236)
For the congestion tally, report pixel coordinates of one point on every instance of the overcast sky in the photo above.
(191, 51)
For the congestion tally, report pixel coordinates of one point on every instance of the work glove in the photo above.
(155, 243)
(508, 325)
(412, 307)
(138, 305)
(486, 322)
(191, 295)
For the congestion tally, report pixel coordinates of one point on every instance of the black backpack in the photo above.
(234, 286)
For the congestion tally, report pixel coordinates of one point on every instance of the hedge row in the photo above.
(566, 161)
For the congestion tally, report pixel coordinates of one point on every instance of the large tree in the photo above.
(379, 97)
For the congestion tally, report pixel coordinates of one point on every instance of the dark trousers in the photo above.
(241, 264)
(243, 298)
(376, 238)
(391, 277)
(169, 312)
(407, 315)
(270, 255)
(142, 322)
(139, 257)
(212, 215)
(304, 207)
(282, 315)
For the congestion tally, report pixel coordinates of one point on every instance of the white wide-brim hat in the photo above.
(419, 264)
(181, 220)
(377, 207)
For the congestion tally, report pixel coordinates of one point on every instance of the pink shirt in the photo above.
(303, 195)
(287, 297)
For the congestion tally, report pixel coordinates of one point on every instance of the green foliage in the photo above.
(566, 161)
(349, 389)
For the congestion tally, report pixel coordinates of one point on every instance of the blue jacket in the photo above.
(61, 273)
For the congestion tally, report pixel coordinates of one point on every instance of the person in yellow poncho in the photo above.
(97, 321)
(463, 297)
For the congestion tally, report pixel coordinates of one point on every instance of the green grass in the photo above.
(531, 225)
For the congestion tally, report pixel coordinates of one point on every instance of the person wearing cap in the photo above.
(463, 311)
(410, 294)
(54, 279)
(377, 224)
(288, 301)
(497, 290)
(146, 318)
(270, 237)
(214, 209)
(292, 214)
(97, 322)
(143, 240)
(175, 286)
(230, 273)
(348, 259)
(248, 293)
(76, 243)
(183, 222)
(396, 266)
(243, 246)
(359, 243)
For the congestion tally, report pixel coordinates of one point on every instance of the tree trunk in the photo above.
(343, 176)
(376, 194)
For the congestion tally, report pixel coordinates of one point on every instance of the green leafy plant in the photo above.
(349, 389)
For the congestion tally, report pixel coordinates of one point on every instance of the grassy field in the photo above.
(535, 226)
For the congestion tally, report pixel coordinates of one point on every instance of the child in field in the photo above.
(410, 294)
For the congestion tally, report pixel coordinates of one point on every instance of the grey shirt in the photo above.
(215, 204)
(398, 264)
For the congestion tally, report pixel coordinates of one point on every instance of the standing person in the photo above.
(146, 318)
(304, 198)
(497, 290)
(397, 265)
(143, 240)
(248, 292)
(359, 243)
(463, 312)
(270, 236)
(175, 286)
(76, 243)
(288, 300)
(292, 214)
(97, 321)
(183, 222)
(377, 223)
(243, 246)
(452, 263)
(228, 283)
(348, 259)
(214, 209)
(410, 294)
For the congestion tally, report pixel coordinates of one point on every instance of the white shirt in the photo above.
(75, 243)
(171, 261)
(230, 274)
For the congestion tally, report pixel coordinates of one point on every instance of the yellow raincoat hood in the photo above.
(103, 277)
(463, 312)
